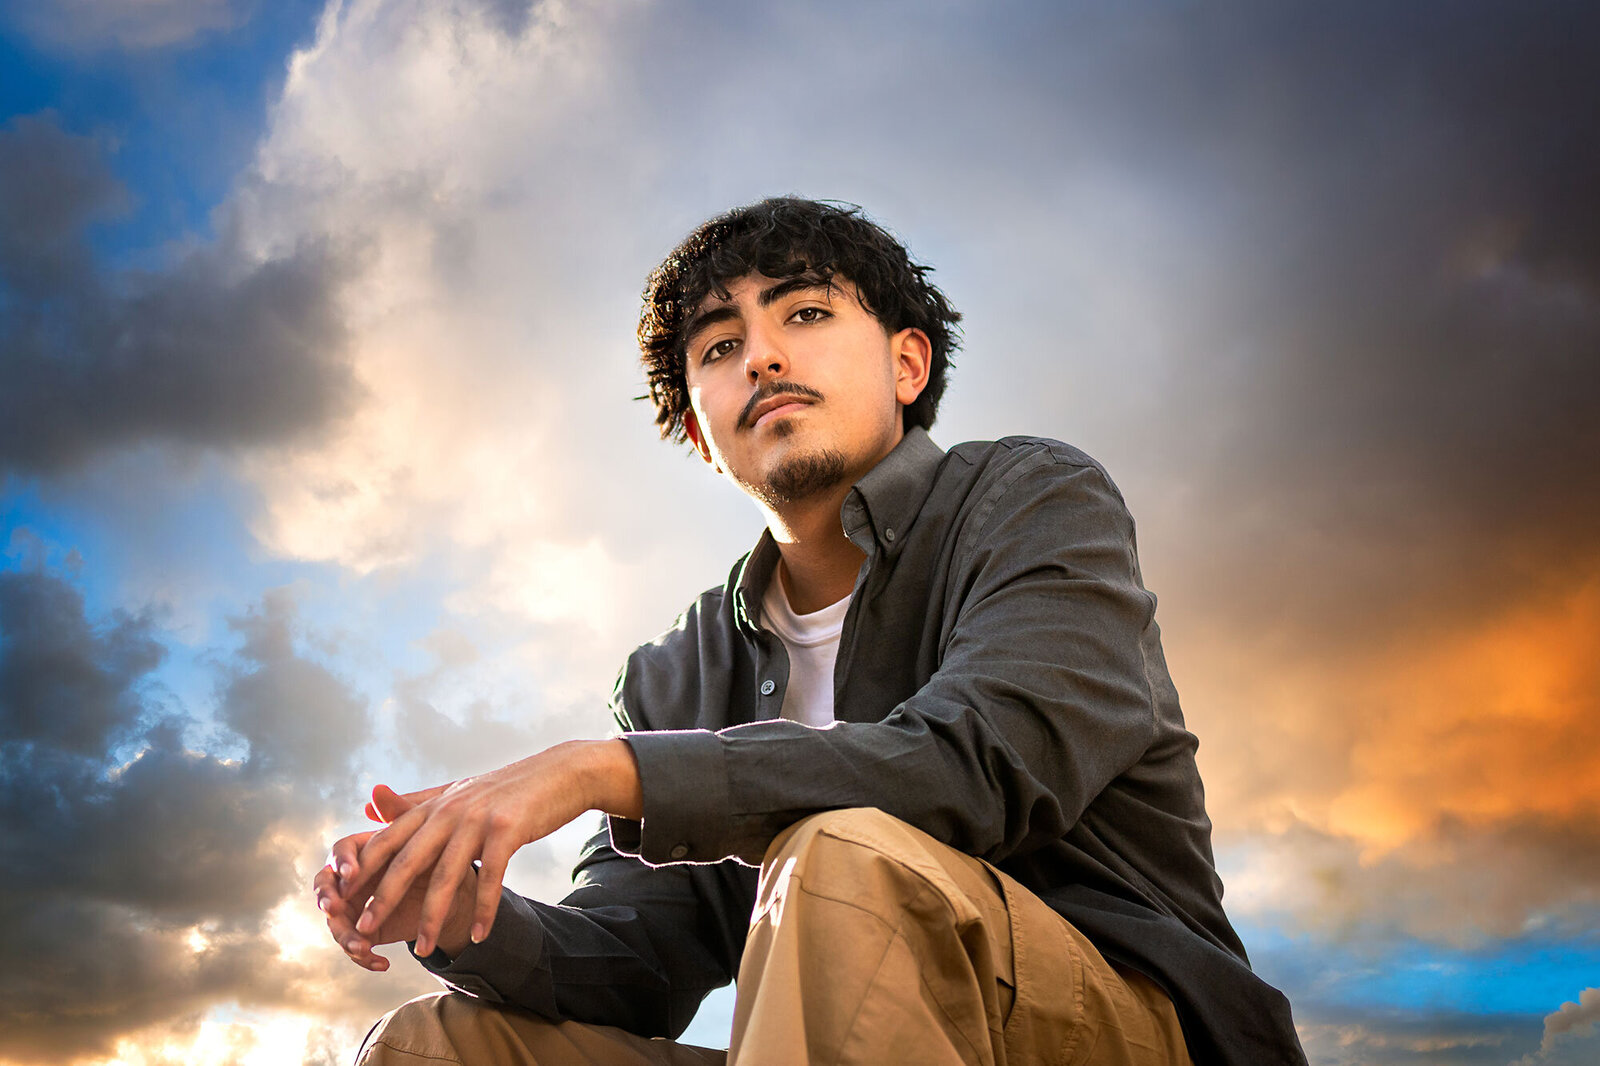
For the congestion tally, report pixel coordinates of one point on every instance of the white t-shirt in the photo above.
(812, 641)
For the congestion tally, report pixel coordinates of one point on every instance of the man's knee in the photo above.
(852, 845)
(861, 826)
(877, 862)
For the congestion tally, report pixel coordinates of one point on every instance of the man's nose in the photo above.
(764, 357)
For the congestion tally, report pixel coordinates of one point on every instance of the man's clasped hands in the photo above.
(433, 873)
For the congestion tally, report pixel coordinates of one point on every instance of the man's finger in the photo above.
(355, 946)
(497, 852)
(440, 899)
(342, 928)
(344, 856)
(325, 890)
(325, 886)
(379, 849)
(425, 841)
(360, 952)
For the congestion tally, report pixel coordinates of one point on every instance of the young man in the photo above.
(917, 772)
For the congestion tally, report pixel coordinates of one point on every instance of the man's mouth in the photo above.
(790, 398)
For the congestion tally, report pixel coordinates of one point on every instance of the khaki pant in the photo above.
(871, 944)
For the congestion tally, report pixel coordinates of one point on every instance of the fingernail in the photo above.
(347, 870)
(323, 903)
(424, 946)
(353, 945)
(365, 924)
(478, 933)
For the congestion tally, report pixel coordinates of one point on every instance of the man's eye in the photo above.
(719, 349)
(810, 314)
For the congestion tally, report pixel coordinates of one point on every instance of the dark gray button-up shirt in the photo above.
(1000, 685)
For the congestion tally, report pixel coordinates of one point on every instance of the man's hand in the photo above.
(422, 860)
(401, 925)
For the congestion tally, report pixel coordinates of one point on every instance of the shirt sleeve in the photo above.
(1045, 692)
(631, 946)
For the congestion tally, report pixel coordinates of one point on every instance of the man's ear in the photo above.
(913, 362)
(691, 429)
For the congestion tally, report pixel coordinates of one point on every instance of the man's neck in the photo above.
(819, 562)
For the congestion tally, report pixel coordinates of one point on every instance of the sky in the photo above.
(321, 463)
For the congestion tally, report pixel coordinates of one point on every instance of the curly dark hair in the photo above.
(783, 237)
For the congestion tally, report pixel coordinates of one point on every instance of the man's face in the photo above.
(795, 387)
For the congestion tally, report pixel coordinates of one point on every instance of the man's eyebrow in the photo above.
(706, 319)
(772, 294)
(766, 298)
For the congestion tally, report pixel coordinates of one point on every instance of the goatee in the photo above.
(800, 477)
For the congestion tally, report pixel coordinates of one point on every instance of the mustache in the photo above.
(776, 388)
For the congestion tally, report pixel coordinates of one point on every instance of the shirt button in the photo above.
(888, 535)
(679, 850)
(767, 687)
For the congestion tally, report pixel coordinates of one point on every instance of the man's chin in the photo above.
(801, 476)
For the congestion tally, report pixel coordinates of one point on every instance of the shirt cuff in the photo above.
(508, 967)
(685, 786)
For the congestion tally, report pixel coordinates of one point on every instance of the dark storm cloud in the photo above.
(1389, 430)
(1397, 348)
(110, 864)
(298, 717)
(216, 351)
(63, 685)
(52, 185)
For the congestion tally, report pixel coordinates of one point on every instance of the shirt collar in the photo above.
(754, 576)
(882, 506)
(878, 512)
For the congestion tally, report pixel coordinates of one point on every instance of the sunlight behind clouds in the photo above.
(255, 1038)
(470, 439)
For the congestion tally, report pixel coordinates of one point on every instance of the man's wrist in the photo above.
(612, 779)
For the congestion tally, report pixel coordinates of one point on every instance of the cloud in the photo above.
(1362, 472)
(482, 741)
(497, 444)
(1318, 283)
(247, 1038)
(300, 719)
(1454, 788)
(96, 25)
(52, 184)
(64, 686)
(143, 887)
(1380, 1037)
(1391, 1039)
(1569, 1032)
(1397, 381)
(1576, 1018)
(220, 350)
